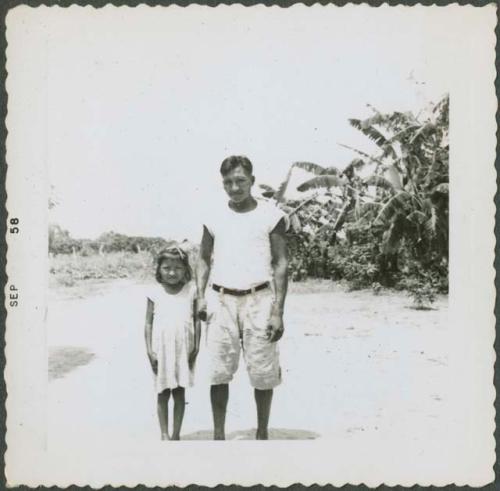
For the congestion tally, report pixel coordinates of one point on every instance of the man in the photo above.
(243, 250)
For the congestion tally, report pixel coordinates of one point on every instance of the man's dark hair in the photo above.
(231, 163)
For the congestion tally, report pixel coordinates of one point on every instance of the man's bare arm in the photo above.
(279, 255)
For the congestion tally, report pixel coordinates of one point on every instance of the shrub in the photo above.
(422, 291)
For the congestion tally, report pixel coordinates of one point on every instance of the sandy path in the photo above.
(356, 367)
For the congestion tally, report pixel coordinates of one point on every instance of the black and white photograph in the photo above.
(233, 224)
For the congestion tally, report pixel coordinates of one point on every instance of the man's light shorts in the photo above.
(236, 323)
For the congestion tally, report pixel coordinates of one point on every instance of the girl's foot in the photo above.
(176, 437)
(164, 436)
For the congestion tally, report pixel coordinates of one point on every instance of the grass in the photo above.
(68, 270)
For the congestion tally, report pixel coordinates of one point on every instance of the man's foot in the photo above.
(164, 436)
(261, 435)
(176, 437)
(219, 436)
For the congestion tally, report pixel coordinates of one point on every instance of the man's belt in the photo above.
(240, 293)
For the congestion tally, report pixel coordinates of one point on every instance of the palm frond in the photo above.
(370, 131)
(393, 175)
(321, 182)
(379, 181)
(395, 205)
(267, 191)
(417, 217)
(310, 167)
(363, 154)
(354, 164)
(332, 171)
(369, 206)
(402, 134)
(295, 223)
(424, 130)
(266, 187)
(280, 193)
(388, 150)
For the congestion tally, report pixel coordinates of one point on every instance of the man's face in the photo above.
(238, 185)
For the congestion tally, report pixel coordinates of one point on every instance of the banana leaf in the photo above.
(280, 193)
(267, 191)
(370, 131)
(379, 181)
(417, 217)
(321, 182)
(295, 223)
(310, 167)
(354, 164)
(363, 154)
(395, 205)
(394, 177)
(332, 171)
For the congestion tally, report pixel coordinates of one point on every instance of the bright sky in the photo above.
(145, 103)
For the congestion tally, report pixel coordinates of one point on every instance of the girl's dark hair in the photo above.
(173, 251)
(231, 163)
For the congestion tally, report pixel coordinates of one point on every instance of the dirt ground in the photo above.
(356, 366)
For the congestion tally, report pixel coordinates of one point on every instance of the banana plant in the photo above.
(411, 177)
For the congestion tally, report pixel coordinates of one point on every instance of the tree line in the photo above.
(61, 242)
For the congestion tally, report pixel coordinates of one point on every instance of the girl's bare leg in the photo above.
(179, 405)
(162, 408)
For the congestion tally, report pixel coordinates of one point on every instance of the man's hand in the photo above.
(201, 309)
(275, 327)
(153, 360)
(192, 358)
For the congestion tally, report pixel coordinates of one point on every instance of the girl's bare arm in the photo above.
(148, 332)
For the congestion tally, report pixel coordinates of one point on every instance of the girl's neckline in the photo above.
(163, 289)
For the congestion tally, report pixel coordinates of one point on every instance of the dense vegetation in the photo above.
(383, 219)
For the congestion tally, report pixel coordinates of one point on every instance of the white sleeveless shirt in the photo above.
(242, 247)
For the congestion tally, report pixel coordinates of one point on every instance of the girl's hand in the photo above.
(153, 360)
(201, 308)
(192, 358)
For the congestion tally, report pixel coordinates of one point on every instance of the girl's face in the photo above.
(172, 271)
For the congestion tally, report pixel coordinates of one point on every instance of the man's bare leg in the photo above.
(162, 408)
(219, 395)
(179, 405)
(263, 399)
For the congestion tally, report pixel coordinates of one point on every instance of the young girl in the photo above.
(172, 334)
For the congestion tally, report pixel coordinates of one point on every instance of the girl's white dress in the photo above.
(173, 336)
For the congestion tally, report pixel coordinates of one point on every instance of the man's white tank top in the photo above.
(242, 247)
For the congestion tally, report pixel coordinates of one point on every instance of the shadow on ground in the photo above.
(64, 359)
(274, 434)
